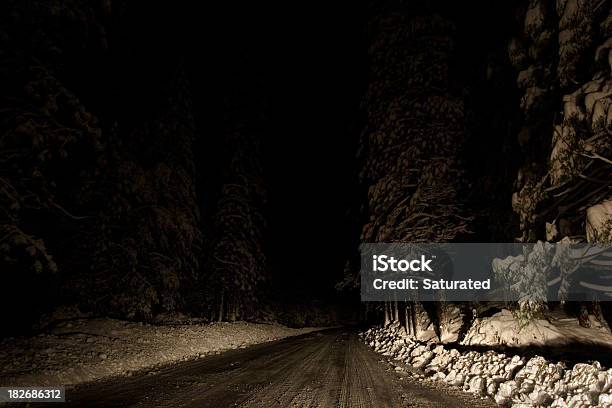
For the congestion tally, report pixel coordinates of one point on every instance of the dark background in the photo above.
(304, 66)
(309, 63)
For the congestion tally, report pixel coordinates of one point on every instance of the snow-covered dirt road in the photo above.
(332, 368)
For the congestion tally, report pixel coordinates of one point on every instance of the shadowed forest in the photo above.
(225, 161)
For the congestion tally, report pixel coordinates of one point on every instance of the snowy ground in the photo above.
(83, 350)
(556, 329)
(510, 380)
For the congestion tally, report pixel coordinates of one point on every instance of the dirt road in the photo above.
(326, 369)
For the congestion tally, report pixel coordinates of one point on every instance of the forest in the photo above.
(157, 161)
(187, 189)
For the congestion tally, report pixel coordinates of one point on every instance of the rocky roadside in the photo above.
(83, 350)
(509, 380)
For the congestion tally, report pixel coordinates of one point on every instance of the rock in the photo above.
(501, 400)
(439, 350)
(584, 375)
(102, 356)
(423, 359)
(540, 398)
(491, 388)
(458, 380)
(559, 402)
(476, 369)
(450, 376)
(477, 386)
(509, 380)
(418, 351)
(605, 400)
(441, 361)
(513, 367)
(507, 389)
(579, 400)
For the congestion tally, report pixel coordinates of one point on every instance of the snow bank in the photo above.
(504, 329)
(509, 380)
(83, 350)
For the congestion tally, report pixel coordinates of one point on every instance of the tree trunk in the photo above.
(221, 307)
